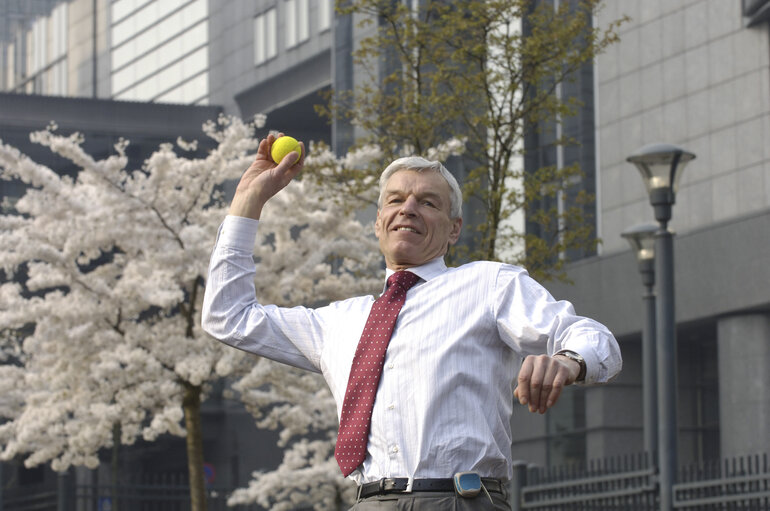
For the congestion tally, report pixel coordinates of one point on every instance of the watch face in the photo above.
(577, 358)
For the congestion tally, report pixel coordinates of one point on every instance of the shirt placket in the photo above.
(389, 410)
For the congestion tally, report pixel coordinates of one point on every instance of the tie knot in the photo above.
(405, 279)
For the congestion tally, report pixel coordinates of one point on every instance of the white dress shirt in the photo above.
(445, 398)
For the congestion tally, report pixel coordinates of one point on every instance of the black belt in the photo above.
(398, 485)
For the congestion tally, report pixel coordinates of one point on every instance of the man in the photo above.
(442, 387)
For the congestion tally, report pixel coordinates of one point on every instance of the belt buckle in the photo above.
(393, 485)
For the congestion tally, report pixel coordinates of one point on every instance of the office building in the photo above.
(694, 73)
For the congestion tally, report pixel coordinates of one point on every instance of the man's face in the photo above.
(413, 223)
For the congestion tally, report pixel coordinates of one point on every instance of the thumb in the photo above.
(289, 167)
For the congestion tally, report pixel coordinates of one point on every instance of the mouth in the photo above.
(406, 228)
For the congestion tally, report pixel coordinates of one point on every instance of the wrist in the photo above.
(246, 206)
(578, 359)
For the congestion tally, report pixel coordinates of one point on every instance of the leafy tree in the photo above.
(434, 70)
(101, 322)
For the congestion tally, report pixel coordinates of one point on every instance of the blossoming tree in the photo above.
(99, 314)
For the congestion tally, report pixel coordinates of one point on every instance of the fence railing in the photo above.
(153, 495)
(741, 484)
(627, 483)
(41, 500)
(630, 483)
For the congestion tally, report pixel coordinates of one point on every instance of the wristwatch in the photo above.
(577, 358)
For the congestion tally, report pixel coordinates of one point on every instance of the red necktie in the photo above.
(365, 372)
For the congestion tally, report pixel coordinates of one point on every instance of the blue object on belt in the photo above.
(399, 484)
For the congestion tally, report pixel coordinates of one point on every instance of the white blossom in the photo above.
(100, 313)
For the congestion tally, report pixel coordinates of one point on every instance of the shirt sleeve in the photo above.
(232, 314)
(532, 322)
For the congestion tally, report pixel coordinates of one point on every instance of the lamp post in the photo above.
(642, 241)
(661, 168)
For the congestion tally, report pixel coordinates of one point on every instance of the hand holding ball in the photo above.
(283, 146)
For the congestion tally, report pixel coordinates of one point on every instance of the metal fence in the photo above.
(630, 483)
(741, 484)
(626, 483)
(30, 500)
(157, 493)
(161, 492)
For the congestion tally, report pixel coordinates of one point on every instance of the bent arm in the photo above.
(232, 314)
(537, 326)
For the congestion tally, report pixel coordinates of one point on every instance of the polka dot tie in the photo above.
(365, 372)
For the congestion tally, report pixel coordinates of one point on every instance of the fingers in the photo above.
(541, 381)
(263, 152)
(290, 165)
(264, 178)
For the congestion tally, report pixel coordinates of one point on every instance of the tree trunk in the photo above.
(116, 432)
(192, 419)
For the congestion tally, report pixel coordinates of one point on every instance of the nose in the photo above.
(409, 206)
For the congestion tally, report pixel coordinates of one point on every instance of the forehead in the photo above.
(422, 182)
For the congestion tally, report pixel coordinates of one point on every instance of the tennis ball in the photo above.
(283, 146)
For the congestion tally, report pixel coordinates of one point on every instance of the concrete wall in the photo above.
(685, 72)
(232, 71)
(722, 269)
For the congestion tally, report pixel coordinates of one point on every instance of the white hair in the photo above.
(420, 164)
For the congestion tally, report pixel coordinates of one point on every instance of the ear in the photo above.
(378, 225)
(454, 234)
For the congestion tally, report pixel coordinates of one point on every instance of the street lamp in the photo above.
(661, 167)
(642, 241)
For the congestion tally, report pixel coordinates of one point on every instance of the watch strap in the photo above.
(572, 355)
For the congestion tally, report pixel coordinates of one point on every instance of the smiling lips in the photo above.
(406, 228)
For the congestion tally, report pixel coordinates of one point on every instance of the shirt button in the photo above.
(390, 407)
(391, 366)
(395, 448)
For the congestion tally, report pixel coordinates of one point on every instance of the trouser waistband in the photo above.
(399, 485)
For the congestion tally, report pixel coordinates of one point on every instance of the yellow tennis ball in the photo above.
(283, 146)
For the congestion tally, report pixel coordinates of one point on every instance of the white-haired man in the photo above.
(429, 421)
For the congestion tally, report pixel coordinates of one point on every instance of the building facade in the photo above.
(695, 73)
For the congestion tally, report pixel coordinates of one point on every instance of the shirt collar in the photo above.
(425, 271)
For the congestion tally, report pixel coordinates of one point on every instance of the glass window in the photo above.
(324, 15)
(195, 63)
(10, 71)
(271, 34)
(172, 96)
(289, 16)
(59, 28)
(121, 8)
(303, 20)
(265, 46)
(195, 88)
(296, 24)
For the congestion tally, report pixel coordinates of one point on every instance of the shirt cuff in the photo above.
(238, 232)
